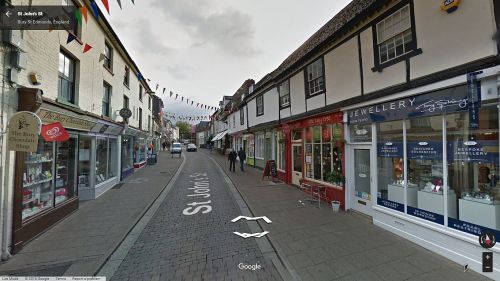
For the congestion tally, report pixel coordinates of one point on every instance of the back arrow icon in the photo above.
(8, 14)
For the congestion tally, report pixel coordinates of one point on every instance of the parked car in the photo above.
(191, 147)
(176, 149)
(186, 142)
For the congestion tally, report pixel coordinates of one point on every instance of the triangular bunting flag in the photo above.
(164, 90)
(182, 98)
(176, 95)
(197, 104)
(78, 16)
(157, 86)
(171, 93)
(101, 57)
(86, 48)
(192, 103)
(119, 3)
(133, 2)
(95, 9)
(139, 76)
(84, 10)
(106, 5)
(71, 37)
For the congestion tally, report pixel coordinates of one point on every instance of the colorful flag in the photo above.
(78, 15)
(84, 10)
(71, 37)
(106, 5)
(95, 9)
(139, 76)
(86, 48)
(54, 132)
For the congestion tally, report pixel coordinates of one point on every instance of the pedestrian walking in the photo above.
(232, 160)
(243, 157)
(164, 145)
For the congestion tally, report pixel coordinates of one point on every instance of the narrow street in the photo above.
(190, 237)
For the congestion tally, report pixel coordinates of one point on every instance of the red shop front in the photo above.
(312, 150)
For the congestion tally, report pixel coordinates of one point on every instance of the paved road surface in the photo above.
(196, 242)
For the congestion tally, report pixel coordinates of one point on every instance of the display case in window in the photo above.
(38, 180)
(65, 170)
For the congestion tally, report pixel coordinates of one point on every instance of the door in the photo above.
(296, 163)
(360, 179)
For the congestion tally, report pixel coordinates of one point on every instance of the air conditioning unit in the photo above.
(12, 37)
(19, 60)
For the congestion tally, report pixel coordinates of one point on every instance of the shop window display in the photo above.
(84, 163)
(424, 149)
(323, 153)
(112, 154)
(390, 165)
(360, 133)
(101, 168)
(65, 170)
(140, 151)
(127, 153)
(38, 180)
(473, 169)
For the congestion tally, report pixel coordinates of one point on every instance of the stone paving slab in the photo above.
(322, 245)
(86, 238)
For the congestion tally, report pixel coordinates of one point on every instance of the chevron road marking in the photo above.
(251, 219)
(247, 235)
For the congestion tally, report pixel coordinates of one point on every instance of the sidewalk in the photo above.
(321, 245)
(82, 242)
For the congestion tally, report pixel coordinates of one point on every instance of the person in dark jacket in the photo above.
(232, 160)
(243, 157)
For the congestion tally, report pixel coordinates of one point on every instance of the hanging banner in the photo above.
(474, 96)
(435, 103)
(54, 132)
(23, 130)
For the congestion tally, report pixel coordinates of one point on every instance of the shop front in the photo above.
(140, 150)
(312, 150)
(129, 137)
(46, 181)
(249, 147)
(426, 167)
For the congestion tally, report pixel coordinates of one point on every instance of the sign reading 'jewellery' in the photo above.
(438, 102)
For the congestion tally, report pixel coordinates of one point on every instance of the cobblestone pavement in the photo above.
(183, 242)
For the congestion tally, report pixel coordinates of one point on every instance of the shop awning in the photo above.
(219, 136)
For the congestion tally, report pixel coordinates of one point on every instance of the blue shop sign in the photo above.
(390, 149)
(426, 215)
(390, 204)
(425, 150)
(470, 228)
(474, 95)
(438, 102)
(484, 151)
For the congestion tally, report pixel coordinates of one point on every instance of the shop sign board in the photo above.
(103, 128)
(435, 103)
(426, 215)
(66, 121)
(474, 95)
(424, 150)
(390, 149)
(484, 151)
(470, 228)
(23, 130)
(125, 113)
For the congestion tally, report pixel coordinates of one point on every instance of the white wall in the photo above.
(271, 108)
(342, 72)
(297, 93)
(316, 102)
(449, 40)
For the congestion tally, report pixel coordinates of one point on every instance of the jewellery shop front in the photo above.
(426, 167)
(46, 181)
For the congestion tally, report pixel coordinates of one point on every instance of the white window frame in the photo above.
(393, 31)
(284, 92)
(259, 146)
(259, 105)
(315, 78)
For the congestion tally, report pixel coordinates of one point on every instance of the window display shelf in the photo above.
(479, 213)
(29, 200)
(35, 183)
(434, 202)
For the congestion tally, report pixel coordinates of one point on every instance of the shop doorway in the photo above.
(296, 163)
(360, 179)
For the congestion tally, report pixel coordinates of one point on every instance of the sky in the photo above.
(203, 49)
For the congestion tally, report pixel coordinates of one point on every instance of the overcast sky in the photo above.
(205, 49)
